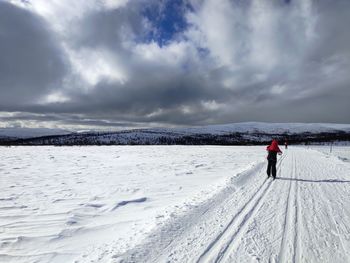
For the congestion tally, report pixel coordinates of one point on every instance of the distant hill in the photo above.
(259, 127)
(227, 134)
(30, 132)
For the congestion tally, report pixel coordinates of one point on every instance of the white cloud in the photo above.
(112, 4)
(59, 13)
(93, 65)
(173, 54)
(212, 105)
(278, 89)
(90, 64)
(54, 97)
(216, 26)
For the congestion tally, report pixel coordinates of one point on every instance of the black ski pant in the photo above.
(271, 167)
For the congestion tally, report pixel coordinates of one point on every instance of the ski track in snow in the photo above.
(216, 251)
(303, 216)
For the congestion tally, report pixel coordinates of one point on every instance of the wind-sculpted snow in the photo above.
(60, 204)
(123, 203)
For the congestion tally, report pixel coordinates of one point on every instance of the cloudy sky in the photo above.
(138, 63)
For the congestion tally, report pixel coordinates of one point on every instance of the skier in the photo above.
(273, 150)
(286, 144)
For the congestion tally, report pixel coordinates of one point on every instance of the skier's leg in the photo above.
(273, 169)
(268, 168)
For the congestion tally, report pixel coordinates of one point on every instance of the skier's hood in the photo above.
(273, 147)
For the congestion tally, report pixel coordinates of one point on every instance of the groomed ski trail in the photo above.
(228, 239)
(302, 216)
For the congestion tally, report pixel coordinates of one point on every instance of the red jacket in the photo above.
(273, 147)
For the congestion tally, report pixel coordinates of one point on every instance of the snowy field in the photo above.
(60, 204)
(341, 152)
(174, 204)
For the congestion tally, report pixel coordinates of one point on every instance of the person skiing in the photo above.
(273, 150)
(286, 144)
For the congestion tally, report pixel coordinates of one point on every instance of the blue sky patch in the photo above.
(167, 18)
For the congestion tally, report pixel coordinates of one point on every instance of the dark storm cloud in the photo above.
(150, 98)
(31, 62)
(333, 37)
(149, 94)
(278, 61)
(63, 119)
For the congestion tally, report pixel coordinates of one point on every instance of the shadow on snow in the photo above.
(313, 181)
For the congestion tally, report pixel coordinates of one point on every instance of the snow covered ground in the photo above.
(339, 151)
(173, 204)
(62, 203)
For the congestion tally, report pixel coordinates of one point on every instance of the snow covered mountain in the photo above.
(272, 128)
(227, 134)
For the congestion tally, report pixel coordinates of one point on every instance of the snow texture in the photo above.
(62, 203)
(174, 204)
